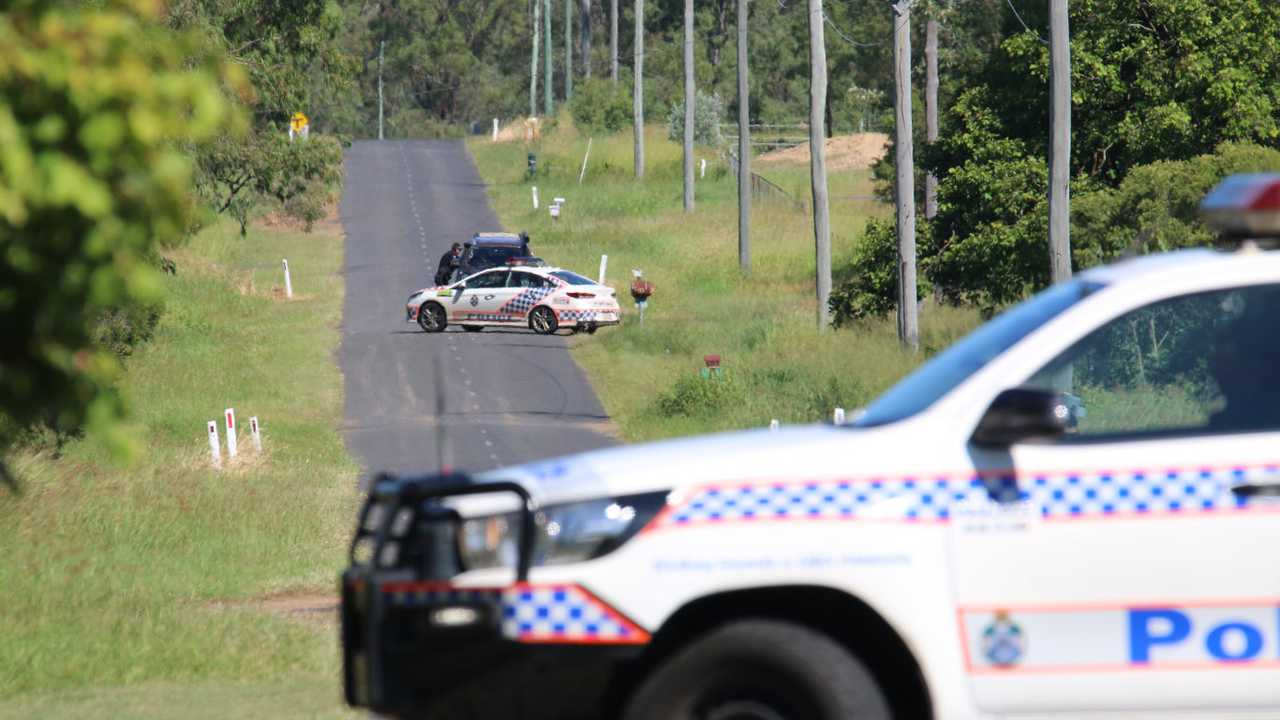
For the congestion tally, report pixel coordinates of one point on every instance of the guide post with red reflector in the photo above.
(215, 451)
(231, 432)
(253, 431)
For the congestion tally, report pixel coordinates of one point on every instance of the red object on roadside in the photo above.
(641, 289)
(712, 361)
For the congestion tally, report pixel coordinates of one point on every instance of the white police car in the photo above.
(974, 545)
(545, 299)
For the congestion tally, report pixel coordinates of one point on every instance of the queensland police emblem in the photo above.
(1003, 642)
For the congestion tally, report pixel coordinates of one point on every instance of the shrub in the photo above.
(871, 289)
(600, 106)
(693, 395)
(707, 112)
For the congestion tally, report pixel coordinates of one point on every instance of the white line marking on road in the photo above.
(488, 443)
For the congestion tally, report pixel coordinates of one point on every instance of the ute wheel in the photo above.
(591, 329)
(543, 321)
(431, 317)
(473, 328)
(760, 670)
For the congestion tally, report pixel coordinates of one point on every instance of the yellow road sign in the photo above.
(298, 122)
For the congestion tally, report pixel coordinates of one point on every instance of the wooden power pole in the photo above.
(689, 100)
(744, 146)
(1060, 153)
(637, 91)
(818, 159)
(908, 314)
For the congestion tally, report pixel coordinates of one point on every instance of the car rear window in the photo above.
(573, 278)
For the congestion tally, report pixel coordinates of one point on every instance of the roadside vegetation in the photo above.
(775, 365)
(143, 590)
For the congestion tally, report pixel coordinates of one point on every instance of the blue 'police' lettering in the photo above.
(1252, 642)
(1142, 636)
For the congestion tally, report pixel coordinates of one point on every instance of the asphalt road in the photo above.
(507, 395)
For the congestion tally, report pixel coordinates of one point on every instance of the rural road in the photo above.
(509, 396)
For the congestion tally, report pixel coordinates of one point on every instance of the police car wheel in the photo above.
(473, 328)
(760, 670)
(543, 321)
(431, 317)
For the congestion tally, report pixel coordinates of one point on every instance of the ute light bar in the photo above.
(1245, 206)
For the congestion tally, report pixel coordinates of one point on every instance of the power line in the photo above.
(1024, 24)
(844, 37)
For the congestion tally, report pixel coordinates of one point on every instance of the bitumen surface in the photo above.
(417, 401)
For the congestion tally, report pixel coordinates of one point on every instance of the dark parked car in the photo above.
(486, 250)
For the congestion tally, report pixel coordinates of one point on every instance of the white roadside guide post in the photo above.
(838, 416)
(288, 284)
(585, 155)
(495, 129)
(535, 197)
(773, 424)
(702, 172)
(215, 451)
(257, 437)
(604, 263)
(231, 432)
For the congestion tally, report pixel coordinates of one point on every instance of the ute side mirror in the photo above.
(1021, 414)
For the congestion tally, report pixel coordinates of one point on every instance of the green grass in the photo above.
(133, 590)
(764, 326)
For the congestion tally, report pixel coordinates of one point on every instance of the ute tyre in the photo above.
(473, 328)
(760, 670)
(432, 318)
(543, 321)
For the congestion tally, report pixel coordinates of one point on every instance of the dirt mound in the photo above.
(844, 152)
(520, 129)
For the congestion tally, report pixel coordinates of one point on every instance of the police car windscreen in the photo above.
(948, 369)
(573, 278)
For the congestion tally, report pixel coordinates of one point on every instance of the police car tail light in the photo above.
(1245, 206)
(580, 295)
(568, 533)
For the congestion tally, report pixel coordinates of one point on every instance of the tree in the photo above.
(931, 108)
(548, 106)
(689, 104)
(533, 65)
(1060, 143)
(908, 320)
(584, 37)
(818, 161)
(93, 181)
(637, 92)
(613, 41)
(568, 50)
(744, 146)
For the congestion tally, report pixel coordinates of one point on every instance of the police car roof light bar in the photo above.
(1245, 206)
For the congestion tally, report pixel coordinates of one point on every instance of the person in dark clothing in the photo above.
(449, 264)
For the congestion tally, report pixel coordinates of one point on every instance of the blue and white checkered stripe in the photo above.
(556, 613)
(525, 301)
(561, 613)
(578, 315)
(1069, 495)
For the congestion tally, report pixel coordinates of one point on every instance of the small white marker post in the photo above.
(535, 197)
(585, 155)
(231, 432)
(773, 424)
(837, 417)
(215, 451)
(604, 263)
(495, 129)
(702, 172)
(555, 211)
(288, 284)
(257, 437)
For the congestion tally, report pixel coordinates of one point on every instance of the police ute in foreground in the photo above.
(1070, 513)
(524, 294)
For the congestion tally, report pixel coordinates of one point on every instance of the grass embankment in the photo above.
(134, 591)
(777, 365)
